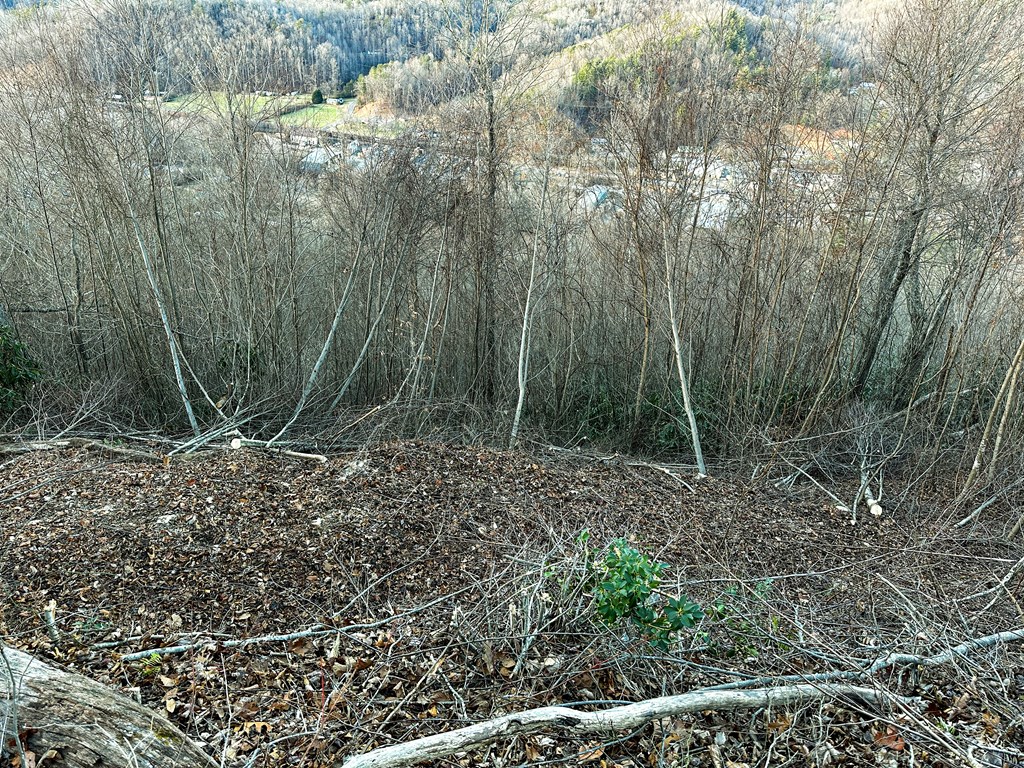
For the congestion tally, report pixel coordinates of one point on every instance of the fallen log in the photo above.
(107, 449)
(45, 711)
(623, 718)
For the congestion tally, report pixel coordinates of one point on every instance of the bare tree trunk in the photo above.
(161, 305)
(325, 350)
(895, 273)
(524, 338)
(677, 349)
(371, 333)
(1006, 390)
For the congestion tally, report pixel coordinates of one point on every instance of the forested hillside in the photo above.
(507, 384)
(687, 231)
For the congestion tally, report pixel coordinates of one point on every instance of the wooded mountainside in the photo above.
(635, 229)
(503, 384)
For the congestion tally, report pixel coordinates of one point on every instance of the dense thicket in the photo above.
(827, 270)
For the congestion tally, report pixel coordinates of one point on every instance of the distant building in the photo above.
(862, 88)
(594, 197)
(319, 159)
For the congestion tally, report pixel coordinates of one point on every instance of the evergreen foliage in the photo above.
(18, 371)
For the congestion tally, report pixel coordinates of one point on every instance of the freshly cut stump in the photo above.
(80, 723)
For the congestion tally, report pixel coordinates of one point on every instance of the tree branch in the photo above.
(731, 696)
(315, 631)
(885, 662)
(621, 718)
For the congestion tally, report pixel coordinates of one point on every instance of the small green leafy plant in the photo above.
(92, 625)
(150, 665)
(626, 588)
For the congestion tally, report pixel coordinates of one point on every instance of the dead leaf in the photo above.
(959, 703)
(247, 710)
(891, 739)
(989, 721)
(532, 752)
(716, 755)
(487, 659)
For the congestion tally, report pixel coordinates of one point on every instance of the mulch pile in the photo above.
(133, 555)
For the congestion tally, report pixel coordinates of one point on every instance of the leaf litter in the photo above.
(455, 580)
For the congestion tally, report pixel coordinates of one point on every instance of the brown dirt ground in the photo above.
(137, 555)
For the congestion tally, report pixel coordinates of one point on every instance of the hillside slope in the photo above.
(458, 582)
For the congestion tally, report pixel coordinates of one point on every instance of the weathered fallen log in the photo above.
(116, 451)
(607, 721)
(84, 722)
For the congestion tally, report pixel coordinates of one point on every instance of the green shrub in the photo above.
(18, 371)
(626, 585)
(317, 97)
(348, 90)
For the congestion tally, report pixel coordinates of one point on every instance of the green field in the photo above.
(290, 111)
(217, 102)
(315, 116)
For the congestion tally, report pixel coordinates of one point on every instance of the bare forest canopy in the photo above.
(684, 230)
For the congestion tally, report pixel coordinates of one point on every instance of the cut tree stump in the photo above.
(83, 722)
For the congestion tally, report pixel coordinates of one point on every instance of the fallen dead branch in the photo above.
(622, 718)
(946, 656)
(731, 696)
(887, 662)
(626, 461)
(1016, 527)
(79, 442)
(266, 445)
(81, 723)
(1010, 576)
(317, 630)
